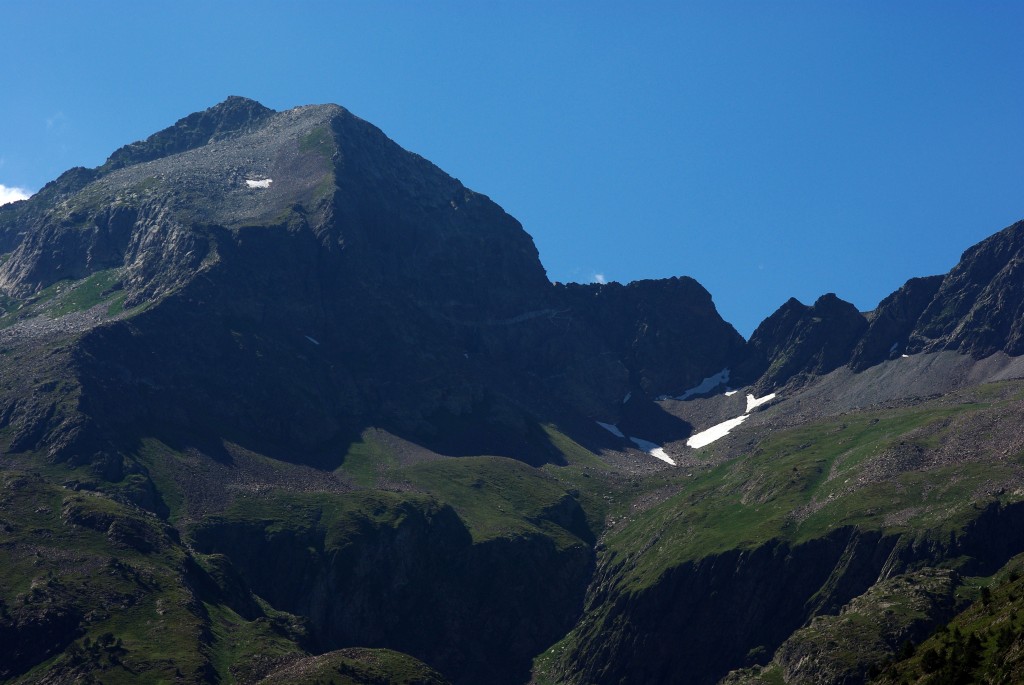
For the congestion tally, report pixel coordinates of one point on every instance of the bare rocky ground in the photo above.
(942, 379)
(355, 665)
(32, 331)
(893, 384)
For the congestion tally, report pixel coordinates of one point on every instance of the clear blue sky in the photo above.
(768, 149)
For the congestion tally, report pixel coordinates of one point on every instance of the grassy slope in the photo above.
(497, 496)
(67, 297)
(800, 483)
(111, 587)
(792, 487)
(165, 628)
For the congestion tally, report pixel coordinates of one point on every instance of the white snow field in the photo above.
(653, 450)
(611, 428)
(706, 385)
(720, 430)
(754, 402)
(706, 437)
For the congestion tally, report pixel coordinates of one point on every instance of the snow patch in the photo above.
(660, 453)
(754, 402)
(611, 428)
(265, 183)
(706, 385)
(645, 445)
(653, 450)
(706, 437)
(730, 393)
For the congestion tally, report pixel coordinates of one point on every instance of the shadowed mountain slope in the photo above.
(294, 277)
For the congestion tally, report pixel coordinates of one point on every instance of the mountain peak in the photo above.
(235, 114)
(798, 339)
(238, 102)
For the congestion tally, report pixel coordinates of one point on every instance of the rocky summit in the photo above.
(281, 401)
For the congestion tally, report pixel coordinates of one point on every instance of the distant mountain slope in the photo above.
(976, 309)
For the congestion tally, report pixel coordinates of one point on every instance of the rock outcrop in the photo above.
(893, 322)
(976, 309)
(979, 308)
(801, 340)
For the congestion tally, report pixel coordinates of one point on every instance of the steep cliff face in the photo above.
(979, 308)
(846, 648)
(18, 219)
(96, 589)
(405, 573)
(893, 321)
(647, 324)
(981, 644)
(708, 616)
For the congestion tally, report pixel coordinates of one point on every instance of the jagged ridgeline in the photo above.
(283, 402)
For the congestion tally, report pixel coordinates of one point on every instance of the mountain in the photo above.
(801, 340)
(397, 296)
(977, 309)
(249, 285)
(283, 402)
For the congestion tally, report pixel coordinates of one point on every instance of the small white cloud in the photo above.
(599, 278)
(12, 194)
(57, 121)
(265, 183)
